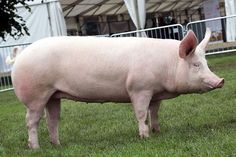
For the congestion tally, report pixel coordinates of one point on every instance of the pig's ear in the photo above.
(206, 39)
(188, 44)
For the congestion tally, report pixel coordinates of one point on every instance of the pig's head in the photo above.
(193, 74)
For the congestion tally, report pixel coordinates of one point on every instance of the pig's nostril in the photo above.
(221, 83)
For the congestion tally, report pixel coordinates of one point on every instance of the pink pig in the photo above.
(142, 71)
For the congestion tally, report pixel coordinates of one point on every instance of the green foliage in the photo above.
(11, 23)
(191, 125)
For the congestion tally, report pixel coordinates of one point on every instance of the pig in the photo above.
(142, 71)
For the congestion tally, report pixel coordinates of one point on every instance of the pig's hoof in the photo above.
(156, 129)
(32, 145)
(144, 133)
(144, 136)
(57, 142)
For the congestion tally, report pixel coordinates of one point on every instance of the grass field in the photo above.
(191, 125)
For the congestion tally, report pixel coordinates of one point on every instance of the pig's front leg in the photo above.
(153, 116)
(140, 101)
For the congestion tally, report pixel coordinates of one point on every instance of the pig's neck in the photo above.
(181, 77)
(170, 78)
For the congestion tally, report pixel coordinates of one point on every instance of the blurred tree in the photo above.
(10, 22)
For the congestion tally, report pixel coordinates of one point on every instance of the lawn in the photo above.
(191, 125)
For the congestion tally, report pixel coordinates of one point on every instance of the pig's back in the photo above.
(78, 53)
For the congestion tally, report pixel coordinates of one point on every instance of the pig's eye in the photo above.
(197, 65)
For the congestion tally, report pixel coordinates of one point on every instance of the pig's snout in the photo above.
(220, 84)
(213, 83)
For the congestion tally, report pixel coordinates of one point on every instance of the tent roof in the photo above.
(110, 7)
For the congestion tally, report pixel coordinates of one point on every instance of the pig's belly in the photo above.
(92, 98)
(92, 91)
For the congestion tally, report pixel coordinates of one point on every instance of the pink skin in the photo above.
(142, 71)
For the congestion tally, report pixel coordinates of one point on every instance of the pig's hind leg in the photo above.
(153, 116)
(33, 116)
(35, 104)
(53, 114)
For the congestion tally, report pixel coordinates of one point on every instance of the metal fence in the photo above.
(166, 32)
(223, 38)
(222, 29)
(5, 70)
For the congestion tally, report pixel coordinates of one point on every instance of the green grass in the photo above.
(191, 125)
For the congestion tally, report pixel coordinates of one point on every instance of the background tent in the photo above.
(230, 9)
(137, 12)
(45, 19)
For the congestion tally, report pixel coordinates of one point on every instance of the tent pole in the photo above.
(49, 18)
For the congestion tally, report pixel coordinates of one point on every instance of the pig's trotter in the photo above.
(143, 131)
(32, 120)
(53, 115)
(153, 116)
(156, 129)
(140, 103)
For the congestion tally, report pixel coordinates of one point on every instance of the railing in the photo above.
(223, 39)
(5, 70)
(166, 32)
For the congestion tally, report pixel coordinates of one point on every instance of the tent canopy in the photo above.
(73, 8)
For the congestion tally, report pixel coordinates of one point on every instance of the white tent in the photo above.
(45, 19)
(230, 9)
(73, 8)
(137, 12)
